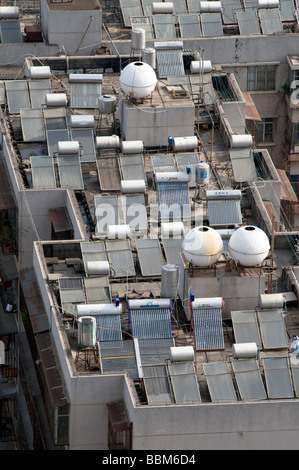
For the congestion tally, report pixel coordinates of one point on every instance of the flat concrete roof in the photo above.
(73, 5)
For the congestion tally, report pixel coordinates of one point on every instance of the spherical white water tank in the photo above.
(138, 79)
(202, 246)
(249, 245)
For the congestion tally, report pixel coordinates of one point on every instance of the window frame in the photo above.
(261, 129)
(259, 77)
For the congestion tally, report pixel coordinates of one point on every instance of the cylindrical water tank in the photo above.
(148, 303)
(202, 173)
(68, 147)
(181, 353)
(162, 7)
(98, 309)
(9, 13)
(131, 146)
(56, 99)
(87, 331)
(201, 66)
(272, 300)
(169, 281)
(172, 229)
(97, 268)
(107, 142)
(210, 7)
(241, 140)
(138, 38)
(138, 79)
(149, 56)
(183, 144)
(268, 3)
(207, 302)
(84, 120)
(244, 350)
(249, 246)
(171, 176)
(132, 186)
(202, 246)
(40, 72)
(107, 104)
(119, 231)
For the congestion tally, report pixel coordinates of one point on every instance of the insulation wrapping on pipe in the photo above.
(9, 13)
(97, 268)
(119, 231)
(132, 186)
(165, 7)
(148, 303)
(181, 353)
(68, 147)
(56, 99)
(131, 146)
(210, 7)
(172, 229)
(98, 309)
(207, 302)
(86, 120)
(172, 176)
(244, 350)
(40, 72)
(241, 140)
(272, 300)
(107, 142)
(201, 66)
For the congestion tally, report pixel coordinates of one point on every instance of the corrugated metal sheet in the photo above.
(189, 26)
(32, 125)
(106, 213)
(243, 165)
(130, 8)
(184, 382)
(43, 175)
(191, 159)
(108, 172)
(273, 331)
(132, 167)
(38, 90)
(224, 211)
(150, 323)
(208, 330)
(211, 24)
(246, 327)
(119, 356)
(164, 26)
(219, 382)
(150, 256)
(172, 248)
(85, 137)
(120, 257)
(154, 350)
(249, 380)
(248, 22)
(270, 20)
(278, 378)
(173, 200)
(85, 94)
(11, 31)
(134, 211)
(157, 385)
(17, 95)
(55, 118)
(97, 290)
(70, 173)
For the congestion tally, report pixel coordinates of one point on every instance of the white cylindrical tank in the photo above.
(40, 72)
(97, 268)
(149, 56)
(132, 186)
(162, 7)
(138, 79)
(202, 246)
(98, 309)
(148, 303)
(207, 302)
(138, 38)
(201, 66)
(87, 331)
(244, 350)
(107, 142)
(68, 147)
(181, 353)
(56, 99)
(272, 300)
(169, 281)
(9, 13)
(210, 7)
(85, 120)
(183, 144)
(202, 173)
(131, 146)
(268, 3)
(119, 231)
(241, 140)
(249, 246)
(172, 229)
(107, 104)
(171, 176)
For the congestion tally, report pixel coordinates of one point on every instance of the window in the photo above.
(261, 78)
(266, 130)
